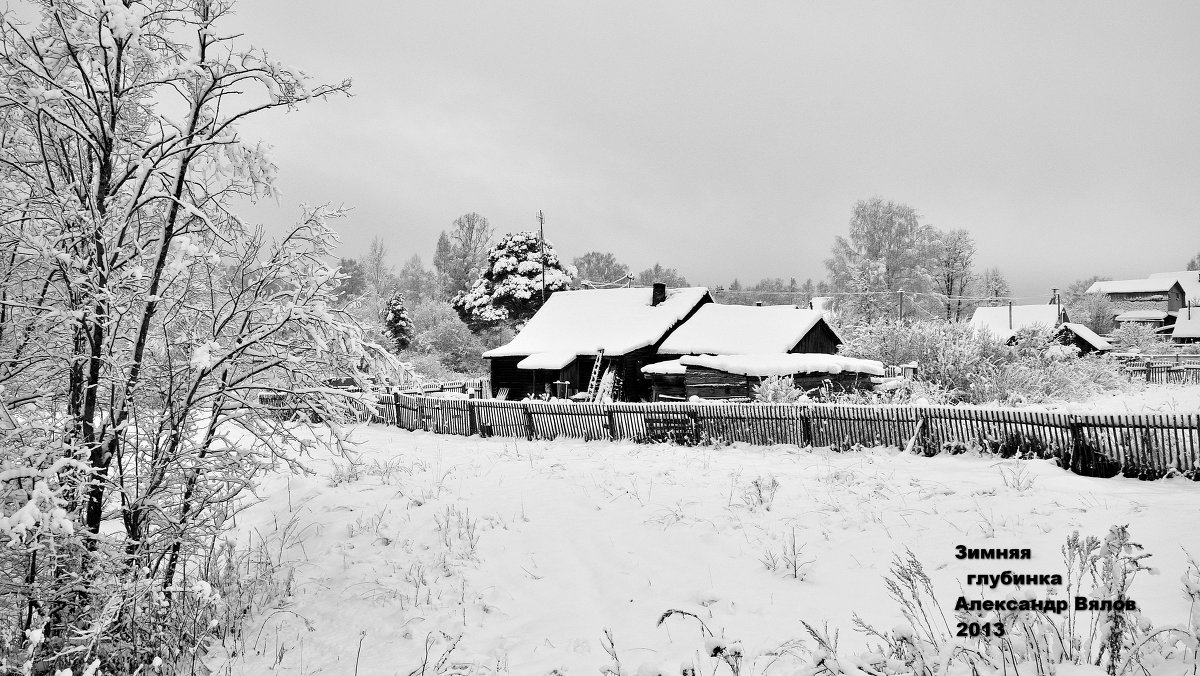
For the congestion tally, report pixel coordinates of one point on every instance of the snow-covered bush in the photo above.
(510, 289)
(949, 354)
(778, 390)
(959, 364)
(1137, 337)
(396, 322)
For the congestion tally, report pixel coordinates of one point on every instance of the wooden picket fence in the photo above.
(1144, 446)
(377, 407)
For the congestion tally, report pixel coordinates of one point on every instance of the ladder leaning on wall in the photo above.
(594, 381)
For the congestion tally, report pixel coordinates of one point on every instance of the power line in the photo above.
(827, 294)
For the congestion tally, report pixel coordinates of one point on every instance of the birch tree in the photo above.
(141, 320)
(953, 270)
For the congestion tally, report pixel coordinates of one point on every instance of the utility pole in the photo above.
(900, 307)
(542, 241)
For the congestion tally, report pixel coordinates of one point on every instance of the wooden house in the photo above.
(735, 376)
(1004, 321)
(1154, 301)
(1189, 280)
(735, 330)
(560, 343)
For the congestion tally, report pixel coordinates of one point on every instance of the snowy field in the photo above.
(530, 550)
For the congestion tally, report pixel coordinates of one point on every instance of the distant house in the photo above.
(561, 341)
(1153, 301)
(1004, 321)
(735, 376)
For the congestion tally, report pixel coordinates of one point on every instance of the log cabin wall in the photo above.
(667, 386)
(709, 383)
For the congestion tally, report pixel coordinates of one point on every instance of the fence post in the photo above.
(472, 417)
(529, 431)
(1076, 464)
(806, 428)
(612, 423)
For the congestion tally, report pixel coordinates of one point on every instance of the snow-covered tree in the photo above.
(888, 250)
(416, 281)
(396, 322)
(993, 286)
(510, 289)
(141, 319)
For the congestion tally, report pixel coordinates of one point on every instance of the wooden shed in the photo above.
(735, 376)
(561, 342)
(1082, 338)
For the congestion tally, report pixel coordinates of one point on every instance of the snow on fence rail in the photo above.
(1145, 446)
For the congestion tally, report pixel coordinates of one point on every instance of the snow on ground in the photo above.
(1142, 399)
(530, 550)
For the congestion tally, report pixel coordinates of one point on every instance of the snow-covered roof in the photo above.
(741, 329)
(1188, 279)
(775, 364)
(582, 322)
(1186, 327)
(1141, 316)
(672, 367)
(1088, 335)
(546, 360)
(1153, 285)
(995, 320)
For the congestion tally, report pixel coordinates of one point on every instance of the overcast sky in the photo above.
(732, 139)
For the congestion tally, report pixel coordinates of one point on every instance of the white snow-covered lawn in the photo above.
(530, 550)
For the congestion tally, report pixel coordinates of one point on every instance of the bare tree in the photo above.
(665, 275)
(375, 264)
(993, 286)
(1194, 264)
(953, 270)
(462, 254)
(142, 318)
(600, 268)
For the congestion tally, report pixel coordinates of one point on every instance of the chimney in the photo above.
(658, 294)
